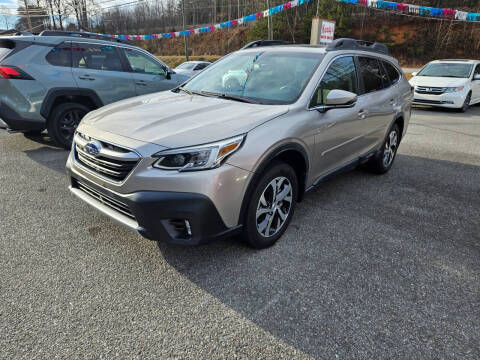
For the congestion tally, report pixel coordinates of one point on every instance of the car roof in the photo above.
(53, 40)
(468, 61)
(318, 49)
(196, 62)
(289, 48)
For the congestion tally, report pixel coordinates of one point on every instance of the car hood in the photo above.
(431, 81)
(177, 119)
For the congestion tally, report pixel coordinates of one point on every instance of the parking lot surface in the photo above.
(372, 267)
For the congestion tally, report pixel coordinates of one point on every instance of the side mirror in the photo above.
(414, 74)
(476, 77)
(338, 99)
(341, 98)
(169, 74)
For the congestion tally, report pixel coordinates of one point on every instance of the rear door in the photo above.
(150, 74)
(98, 67)
(379, 101)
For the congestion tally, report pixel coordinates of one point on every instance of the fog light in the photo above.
(189, 229)
(178, 228)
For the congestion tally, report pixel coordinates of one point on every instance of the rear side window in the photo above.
(6, 46)
(201, 66)
(60, 55)
(96, 57)
(374, 77)
(341, 75)
(393, 74)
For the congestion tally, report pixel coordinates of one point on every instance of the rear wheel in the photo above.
(466, 104)
(271, 206)
(383, 160)
(64, 121)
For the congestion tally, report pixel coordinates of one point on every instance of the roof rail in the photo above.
(82, 34)
(352, 44)
(258, 43)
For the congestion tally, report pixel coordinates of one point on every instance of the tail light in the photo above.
(13, 72)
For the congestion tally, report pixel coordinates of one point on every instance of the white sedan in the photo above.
(448, 83)
(191, 68)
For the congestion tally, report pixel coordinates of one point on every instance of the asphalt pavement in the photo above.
(372, 267)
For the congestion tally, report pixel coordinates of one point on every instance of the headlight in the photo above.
(200, 157)
(454, 89)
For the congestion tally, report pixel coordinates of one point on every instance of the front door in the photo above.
(150, 75)
(99, 68)
(476, 85)
(339, 131)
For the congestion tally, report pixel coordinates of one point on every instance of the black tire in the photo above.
(379, 164)
(63, 121)
(466, 103)
(285, 175)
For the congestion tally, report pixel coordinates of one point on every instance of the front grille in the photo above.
(430, 90)
(105, 199)
(112, 162)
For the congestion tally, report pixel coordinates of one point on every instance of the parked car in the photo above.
(191, 68)
(205, 161)
(448, 83)
(52, 80)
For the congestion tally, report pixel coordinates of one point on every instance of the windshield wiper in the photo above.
(189, 92)
(228, 97)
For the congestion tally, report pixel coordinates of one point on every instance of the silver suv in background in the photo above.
(214, 158)
(52, 80)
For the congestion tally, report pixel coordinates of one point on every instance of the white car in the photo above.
(448, 83)
(191, 68)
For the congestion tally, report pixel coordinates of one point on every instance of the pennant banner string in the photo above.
(399, 8)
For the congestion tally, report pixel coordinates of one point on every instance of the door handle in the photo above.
(141, 83)
(86, 77)
(392, 101)
(362, 114)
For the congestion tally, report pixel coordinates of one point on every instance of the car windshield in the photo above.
(265, 77)
(186, 66)
(447, 70)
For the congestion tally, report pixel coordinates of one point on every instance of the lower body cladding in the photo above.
(10, 119)
(179, 218)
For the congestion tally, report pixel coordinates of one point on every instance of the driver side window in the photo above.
(341, 75)
(477, 70)
(142, 64)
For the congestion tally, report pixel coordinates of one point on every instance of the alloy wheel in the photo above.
(69, 122)
(274, 206)
(390, 148)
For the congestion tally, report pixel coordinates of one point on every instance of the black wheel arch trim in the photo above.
(273, 154)
(55, 93)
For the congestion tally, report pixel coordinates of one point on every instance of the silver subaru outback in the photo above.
(235, 148)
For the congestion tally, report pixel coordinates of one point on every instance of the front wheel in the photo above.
(466, 103)
(271, 206)
(383, 160)
(64, 121)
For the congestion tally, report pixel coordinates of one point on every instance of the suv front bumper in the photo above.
(158, 215)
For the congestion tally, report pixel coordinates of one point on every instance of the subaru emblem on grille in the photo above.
(93, 148)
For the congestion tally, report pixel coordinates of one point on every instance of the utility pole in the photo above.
(28, 16)
(238, 12)
(184, 36)
(214, 12)
(270, 30)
